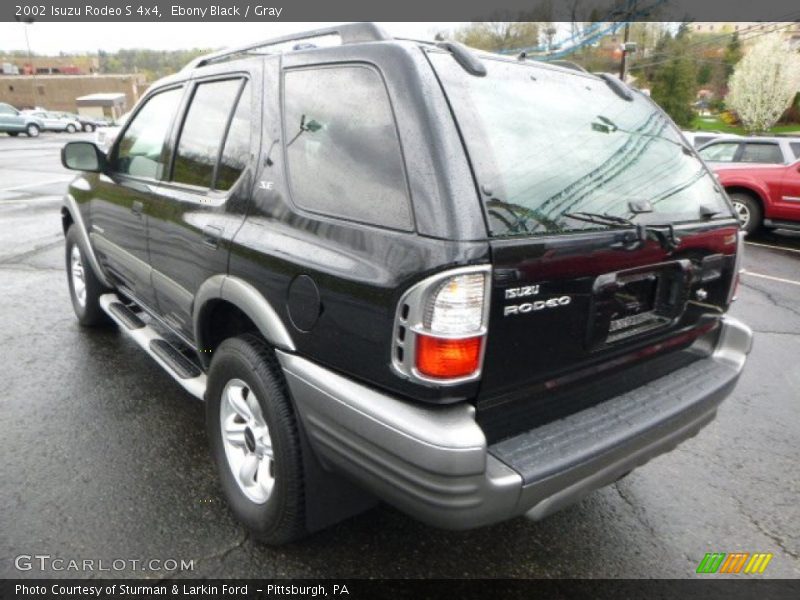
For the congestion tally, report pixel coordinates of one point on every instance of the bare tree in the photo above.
(498, 35)
(764, 83)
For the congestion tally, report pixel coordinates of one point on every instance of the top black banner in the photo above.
(408, 10)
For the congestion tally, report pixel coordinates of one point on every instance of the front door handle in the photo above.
(137, 208)
(211, 235)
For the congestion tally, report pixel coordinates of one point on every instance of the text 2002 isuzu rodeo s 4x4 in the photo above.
(472, 286)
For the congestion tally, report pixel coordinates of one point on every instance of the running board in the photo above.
(182, 370)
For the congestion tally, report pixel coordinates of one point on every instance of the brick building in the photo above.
(58, 92)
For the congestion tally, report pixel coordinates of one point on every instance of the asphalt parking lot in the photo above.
(105, 457)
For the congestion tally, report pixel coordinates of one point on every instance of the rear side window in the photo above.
(203, 132)
(720, 152)
(342, 148)
(762, 153)
(795, 146)
(141, 150)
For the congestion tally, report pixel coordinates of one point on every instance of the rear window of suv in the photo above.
(545, 143)
(764, 153)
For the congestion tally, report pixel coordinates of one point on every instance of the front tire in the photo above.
(32, 130)
(84, 287)
(255, 441)
(88, 128)
(13, 133)
(748, 211)
(71, 128)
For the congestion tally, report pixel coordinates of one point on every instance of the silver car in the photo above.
(54, 121)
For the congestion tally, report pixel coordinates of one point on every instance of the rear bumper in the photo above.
(434, 463)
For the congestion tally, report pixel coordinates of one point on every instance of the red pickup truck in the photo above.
(762, 194)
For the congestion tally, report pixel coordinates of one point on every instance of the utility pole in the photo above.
(25, 23)
(624, 64)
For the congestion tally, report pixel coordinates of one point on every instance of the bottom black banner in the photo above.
(255, 589)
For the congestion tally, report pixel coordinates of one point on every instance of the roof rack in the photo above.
(620, 88)
(465, 57)
(350, 33)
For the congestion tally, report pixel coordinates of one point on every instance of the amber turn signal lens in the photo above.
(444, 358)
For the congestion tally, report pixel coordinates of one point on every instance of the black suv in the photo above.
(469, 285)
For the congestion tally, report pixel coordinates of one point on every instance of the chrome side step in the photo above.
(182, 370)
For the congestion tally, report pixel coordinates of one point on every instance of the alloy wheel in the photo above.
(247, 441)
(78, 276)
(743, 213)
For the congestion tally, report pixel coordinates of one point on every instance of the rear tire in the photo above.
(32, 130)
(84, 287)
(71, 128)
(13, 133)
(88, 127)
(254, 440)
(748, 211)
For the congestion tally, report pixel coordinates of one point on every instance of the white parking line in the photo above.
(31, 185)
(771, 278)
(773, 247)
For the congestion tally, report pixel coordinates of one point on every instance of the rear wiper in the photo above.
(600, 219)
(664, 234)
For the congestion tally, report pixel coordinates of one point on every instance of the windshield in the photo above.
(544, 144)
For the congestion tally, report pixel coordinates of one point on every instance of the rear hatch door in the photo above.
(610, 238)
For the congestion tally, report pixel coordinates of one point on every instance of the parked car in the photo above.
(384, 288)
(105, 136)
(701, 138)
(13, 122)
(55, 121)
(758, 150)
(87, 123)
(763, 195)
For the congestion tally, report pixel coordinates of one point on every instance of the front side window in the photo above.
(236, 152)
(141, 151)
(724, 152)
(203, 132)
(795, 146)
(762, 153)
(342, 147)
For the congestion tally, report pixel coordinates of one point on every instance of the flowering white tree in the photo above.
(764, 83)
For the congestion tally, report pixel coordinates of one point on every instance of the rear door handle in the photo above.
(137, 208)
(211, 235)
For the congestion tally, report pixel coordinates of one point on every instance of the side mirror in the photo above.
(82, 156)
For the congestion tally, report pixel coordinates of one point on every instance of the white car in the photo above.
(54, 121)
(701, 138)
(105, 136)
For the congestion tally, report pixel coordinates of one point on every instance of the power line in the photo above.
(744, 38)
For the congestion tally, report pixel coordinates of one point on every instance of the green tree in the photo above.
(675, 83)
(704, 74)
(733, 54)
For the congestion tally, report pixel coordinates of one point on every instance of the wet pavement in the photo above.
(105, 457)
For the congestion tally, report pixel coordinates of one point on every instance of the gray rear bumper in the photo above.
(434, 462)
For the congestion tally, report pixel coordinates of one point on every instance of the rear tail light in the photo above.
(446, 358)
(440, 327)
(457, 306)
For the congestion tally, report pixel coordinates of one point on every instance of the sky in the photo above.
(52, 38)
